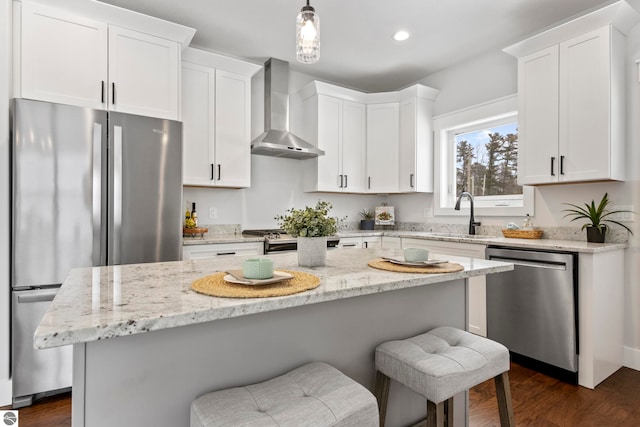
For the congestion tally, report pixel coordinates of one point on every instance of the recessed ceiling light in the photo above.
(401, 35)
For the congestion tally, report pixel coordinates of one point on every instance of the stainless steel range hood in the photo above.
(276, 140)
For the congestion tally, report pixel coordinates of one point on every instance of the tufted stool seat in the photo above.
(440, 364)
(315, 394)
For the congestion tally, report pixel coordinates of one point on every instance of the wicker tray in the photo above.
(192, 232)
(522, 234)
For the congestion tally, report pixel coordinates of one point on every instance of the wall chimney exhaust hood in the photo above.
(276, 140)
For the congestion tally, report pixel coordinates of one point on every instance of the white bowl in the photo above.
(416, 254)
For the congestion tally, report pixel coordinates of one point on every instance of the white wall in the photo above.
(5, 81)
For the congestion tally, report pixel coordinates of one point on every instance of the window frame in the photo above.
(492, 113)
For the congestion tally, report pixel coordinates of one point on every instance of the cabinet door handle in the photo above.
(411, 180)
(553, 160)
(346, 181)
(561, 165)
(366, 245)
(219, 172)
(225, 253)
(102, 91)
(113, 93)
(212, 178)
(341, 181)
(369, 183)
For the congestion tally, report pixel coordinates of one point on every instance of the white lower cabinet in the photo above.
(477, 285)
(391, 242)
(216, 250)
(363, 242)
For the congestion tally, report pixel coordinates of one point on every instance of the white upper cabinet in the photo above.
(416, 139)
(571, 113)
(144, 74)
(383, 139)
(216, 115)
(335, 123)
(571, 99)
(64, 58)
(70, 58)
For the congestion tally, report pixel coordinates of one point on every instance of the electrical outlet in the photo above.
(213, 213)
(622, 216)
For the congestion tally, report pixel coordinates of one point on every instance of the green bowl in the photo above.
(257, 268)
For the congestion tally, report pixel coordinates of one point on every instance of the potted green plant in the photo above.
(368, 220)
(311, 226)
(597, 216)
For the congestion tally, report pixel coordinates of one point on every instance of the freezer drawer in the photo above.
(35, 371)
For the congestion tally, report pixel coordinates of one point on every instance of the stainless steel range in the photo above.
(276, 240)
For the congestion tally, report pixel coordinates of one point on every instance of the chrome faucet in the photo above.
(472, 223)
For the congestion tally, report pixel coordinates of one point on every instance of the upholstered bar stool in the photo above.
(315, 395)
(440, 364)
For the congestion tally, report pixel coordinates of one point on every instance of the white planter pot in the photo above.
(312, 251)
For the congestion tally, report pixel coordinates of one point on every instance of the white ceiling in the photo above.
(357, 48)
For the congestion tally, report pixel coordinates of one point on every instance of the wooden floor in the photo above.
(538, 400)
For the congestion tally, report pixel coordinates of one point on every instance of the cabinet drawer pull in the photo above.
(349, 245)
(561, 165)
(553, 160)
(113, 93)
(225, 253)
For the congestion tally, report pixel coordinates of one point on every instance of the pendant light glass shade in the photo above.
(308, 35)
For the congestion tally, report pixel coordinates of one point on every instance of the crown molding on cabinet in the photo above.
(124, 18)
(620, 15)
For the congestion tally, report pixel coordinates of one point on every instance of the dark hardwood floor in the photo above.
(538, 400)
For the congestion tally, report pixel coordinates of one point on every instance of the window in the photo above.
(477, 152)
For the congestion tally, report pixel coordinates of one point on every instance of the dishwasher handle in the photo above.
(535, 264)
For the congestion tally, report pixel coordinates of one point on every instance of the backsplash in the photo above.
(555, 233)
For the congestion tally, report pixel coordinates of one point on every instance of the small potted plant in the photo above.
(368, 220)
(597, 217)
(311, 226)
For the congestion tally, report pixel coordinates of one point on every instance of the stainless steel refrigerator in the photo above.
(89, 188)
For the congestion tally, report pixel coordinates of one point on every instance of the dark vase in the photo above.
(367, 224)
(594, 235)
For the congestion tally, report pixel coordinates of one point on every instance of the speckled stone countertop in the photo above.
(209, 239)
(107, 302)
(545, 244)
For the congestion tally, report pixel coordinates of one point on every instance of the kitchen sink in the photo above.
(457, 235)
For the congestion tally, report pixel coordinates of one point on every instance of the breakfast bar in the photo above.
(145, 345)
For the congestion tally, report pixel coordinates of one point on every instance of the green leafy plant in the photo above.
(596, 215)
(310, 221)
(367, 214)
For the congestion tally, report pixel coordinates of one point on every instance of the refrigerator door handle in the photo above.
(117, 192)
(97, 192)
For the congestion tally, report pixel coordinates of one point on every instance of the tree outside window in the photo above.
(487, 161)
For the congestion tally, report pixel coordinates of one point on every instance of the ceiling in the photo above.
(357, 47)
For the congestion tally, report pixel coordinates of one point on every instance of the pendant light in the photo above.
(308, 35)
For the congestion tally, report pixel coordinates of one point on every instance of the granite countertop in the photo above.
(545, 244)
(106, 302)
(209, 239)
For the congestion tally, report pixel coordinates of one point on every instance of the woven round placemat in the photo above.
(449, 267)
(215, 286)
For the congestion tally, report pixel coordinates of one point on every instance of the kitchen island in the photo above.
(145, 345)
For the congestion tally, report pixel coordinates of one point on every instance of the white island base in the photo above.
(150, 379)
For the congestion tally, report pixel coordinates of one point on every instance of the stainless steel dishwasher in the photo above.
(533, 309)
